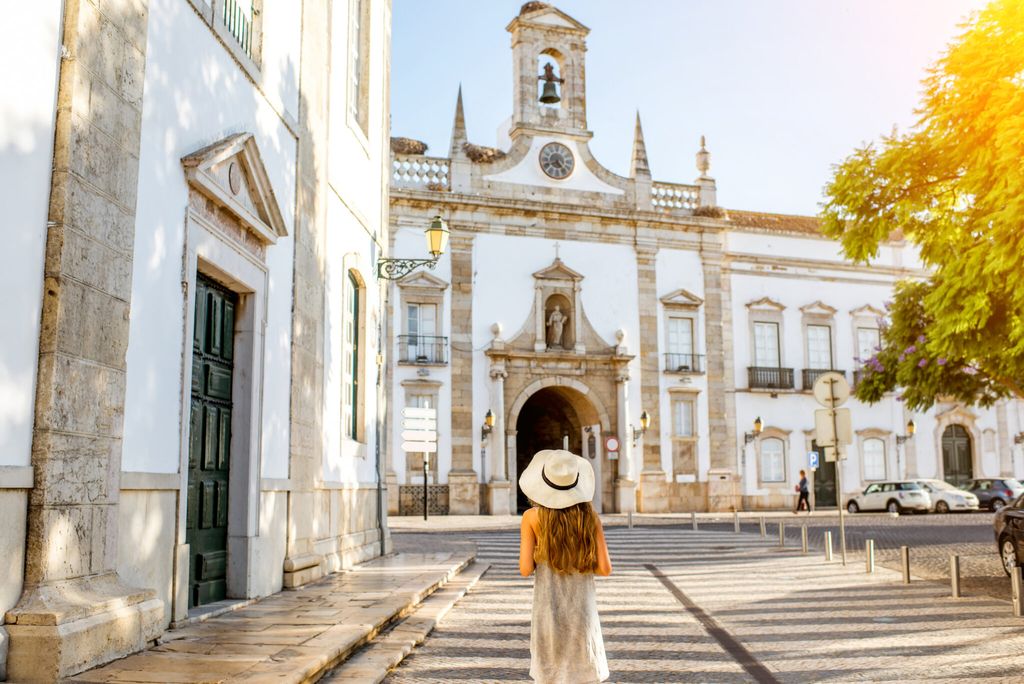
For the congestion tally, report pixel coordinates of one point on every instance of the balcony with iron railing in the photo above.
(238, 23)
(426, 349)
(767, 377)
(684, 363)
(812, 374)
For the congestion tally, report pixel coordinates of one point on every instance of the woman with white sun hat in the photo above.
(562, 540)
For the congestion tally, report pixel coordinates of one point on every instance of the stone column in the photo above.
(723, 481)
(625, 486)
(654, 491)
(302, 564)
(499, 486)
(75, 612)
(463, 482)
(1004, 441)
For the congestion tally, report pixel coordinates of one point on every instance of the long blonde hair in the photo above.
(568, 538)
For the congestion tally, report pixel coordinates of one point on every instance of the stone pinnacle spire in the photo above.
(458, 128)
(638, 164)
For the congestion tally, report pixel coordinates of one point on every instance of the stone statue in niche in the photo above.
(556, 327)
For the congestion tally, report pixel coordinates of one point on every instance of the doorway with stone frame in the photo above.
(557, 417)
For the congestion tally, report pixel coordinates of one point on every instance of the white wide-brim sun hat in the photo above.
(558, 479)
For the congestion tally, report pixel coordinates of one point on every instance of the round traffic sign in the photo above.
(611, 444)
(831, 389)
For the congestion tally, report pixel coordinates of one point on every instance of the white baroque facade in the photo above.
(190, 384)
(702, 317)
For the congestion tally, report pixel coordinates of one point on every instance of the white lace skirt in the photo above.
(566, 646)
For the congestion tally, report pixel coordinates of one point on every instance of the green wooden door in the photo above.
(957, 467)
(210, 442)
(824, 480)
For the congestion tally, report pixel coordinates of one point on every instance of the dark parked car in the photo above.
(1008, 525)
(994, 493)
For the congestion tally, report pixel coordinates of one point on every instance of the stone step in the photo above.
(372, 663)
(295, 635)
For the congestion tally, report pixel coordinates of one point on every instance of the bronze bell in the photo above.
(549, 94)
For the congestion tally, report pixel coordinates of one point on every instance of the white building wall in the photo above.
(188, 104)
(30, 37)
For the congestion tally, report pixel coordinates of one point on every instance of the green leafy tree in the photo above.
(954, 186)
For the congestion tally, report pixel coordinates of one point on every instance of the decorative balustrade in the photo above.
(673, 196)
(419, 172)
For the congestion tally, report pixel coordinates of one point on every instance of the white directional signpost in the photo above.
(419, 435)
(833, 430)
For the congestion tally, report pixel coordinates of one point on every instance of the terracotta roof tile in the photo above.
(783, 223)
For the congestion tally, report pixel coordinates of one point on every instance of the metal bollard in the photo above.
(629, 519)
(828, 545)
(803, 539)
(764, 528)
(1016, 582)
(782, 534)
(735, 521)
(693, 520)
(905, 563)
(954, 575)
(869, 556)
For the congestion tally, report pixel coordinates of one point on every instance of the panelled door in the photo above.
(957, 467)
(209, 442)
(824, 480)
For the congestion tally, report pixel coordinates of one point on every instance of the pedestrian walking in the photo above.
(804, 502)
(561, 539)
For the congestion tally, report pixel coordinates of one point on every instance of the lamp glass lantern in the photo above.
(437, 238)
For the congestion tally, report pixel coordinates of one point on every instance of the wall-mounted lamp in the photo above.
(437, 239)
(488, 425)
(911, 429)
(749, 437)
(645, 422)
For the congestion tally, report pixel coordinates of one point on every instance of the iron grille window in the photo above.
(238, 19)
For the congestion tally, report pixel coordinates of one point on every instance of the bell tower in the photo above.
(548, 49)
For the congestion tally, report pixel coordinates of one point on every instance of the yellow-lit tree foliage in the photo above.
(954, 186)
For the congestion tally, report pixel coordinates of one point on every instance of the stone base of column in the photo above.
(625, 495)
(654, 492)
(499, 497)
(299, 570)
(391, 481)
(463, 493)
(723, 491)
(60, 629)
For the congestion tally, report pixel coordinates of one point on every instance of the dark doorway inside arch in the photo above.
(549, 417)
(957, 464)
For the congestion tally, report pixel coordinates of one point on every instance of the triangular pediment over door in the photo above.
(231, 174)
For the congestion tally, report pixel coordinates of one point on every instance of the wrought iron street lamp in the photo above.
(437, 239)
(487, 426)
(749, 437)
(911, 428)
(645, 422)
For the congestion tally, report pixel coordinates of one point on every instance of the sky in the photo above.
(783, 90)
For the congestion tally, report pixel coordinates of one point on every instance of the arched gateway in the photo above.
(551, 415)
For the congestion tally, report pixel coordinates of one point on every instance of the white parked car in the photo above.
(894, 497)
(945, 497)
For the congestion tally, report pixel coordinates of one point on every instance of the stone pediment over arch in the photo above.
(558, 271)
(545, 15)
(957, 414)
(766, 303)
(232, 175)
(682, 299)
(818, 308)
(867, 311)
(421, 280)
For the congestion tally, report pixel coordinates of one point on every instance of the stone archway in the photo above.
(548, 412)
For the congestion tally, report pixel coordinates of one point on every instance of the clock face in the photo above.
(556, 160)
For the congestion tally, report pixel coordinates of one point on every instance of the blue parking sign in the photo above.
(812, 459)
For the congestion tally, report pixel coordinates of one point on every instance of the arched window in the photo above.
(873, 451)
(352, 357)
(773, 460)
